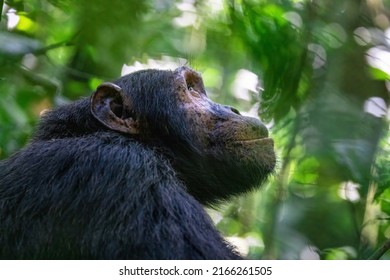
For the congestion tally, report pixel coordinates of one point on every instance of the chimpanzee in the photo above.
(124, 174)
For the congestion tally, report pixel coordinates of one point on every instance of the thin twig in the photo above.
(51, 47)
(381, 251)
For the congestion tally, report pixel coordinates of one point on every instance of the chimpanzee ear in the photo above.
(108, 106)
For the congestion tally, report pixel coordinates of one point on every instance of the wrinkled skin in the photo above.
(124, 174)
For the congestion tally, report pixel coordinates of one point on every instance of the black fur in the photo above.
(82, 191)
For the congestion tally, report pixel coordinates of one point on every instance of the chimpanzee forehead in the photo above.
(153, 81)
(184, 70)
(148, 75)
(146, 82)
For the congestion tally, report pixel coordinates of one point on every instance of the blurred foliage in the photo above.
(316, 71)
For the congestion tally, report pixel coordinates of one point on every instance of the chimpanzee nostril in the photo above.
(234, 110)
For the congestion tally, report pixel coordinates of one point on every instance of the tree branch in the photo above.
(1, 8)
(51, 47)
(381, 251)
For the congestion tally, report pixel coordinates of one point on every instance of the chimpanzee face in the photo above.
(219, 126)
(216, 151)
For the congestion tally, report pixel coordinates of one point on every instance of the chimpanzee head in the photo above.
(214, 150)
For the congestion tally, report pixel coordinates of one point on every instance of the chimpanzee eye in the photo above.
(193, 91)
(189, 86)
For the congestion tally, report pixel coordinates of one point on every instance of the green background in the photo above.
(316, 72)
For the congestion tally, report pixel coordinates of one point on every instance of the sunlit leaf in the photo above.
(379, 74)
